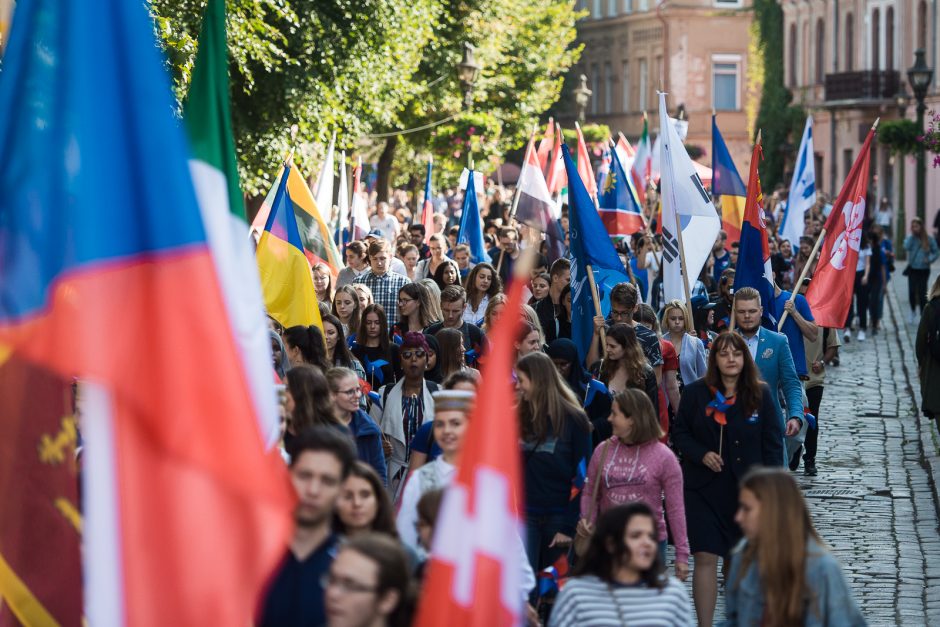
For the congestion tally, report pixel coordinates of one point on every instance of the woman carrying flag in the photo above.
(726, 423)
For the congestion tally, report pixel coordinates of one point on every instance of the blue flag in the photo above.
(471, 228)
(590, 246)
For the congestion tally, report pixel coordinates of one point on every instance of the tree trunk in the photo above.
(383, 176)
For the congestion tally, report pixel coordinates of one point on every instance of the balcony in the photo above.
(857, 87)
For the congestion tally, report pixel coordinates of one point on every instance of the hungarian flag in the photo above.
(474, 577)
(584, 164)
(830, 293)
(535, 205)
(112, 276)
(642, 162)
(427, 211)
(753, 268)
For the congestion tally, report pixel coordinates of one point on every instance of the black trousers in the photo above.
(917, 287)
(814, 396)
(859, 303)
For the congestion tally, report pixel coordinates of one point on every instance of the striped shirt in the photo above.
(591, 602)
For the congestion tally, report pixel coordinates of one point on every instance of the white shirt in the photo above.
(388, 225)
(863, 254)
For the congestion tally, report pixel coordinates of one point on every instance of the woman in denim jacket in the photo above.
(781, 573)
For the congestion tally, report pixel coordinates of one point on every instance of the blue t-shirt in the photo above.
(721, 264)
(423, 436)
(641, 276)
(792, 330)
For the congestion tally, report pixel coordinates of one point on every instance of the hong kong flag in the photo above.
(475, 573)
(830, 293)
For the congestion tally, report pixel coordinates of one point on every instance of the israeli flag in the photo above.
(802, 194)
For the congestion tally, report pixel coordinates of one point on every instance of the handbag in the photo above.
(582, 538)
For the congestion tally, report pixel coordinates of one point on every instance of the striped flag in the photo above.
(545, 145)
(557, 178)
(341, 228)
(727, 185)
(324, 189)
(802, 194)
(427, 210)
(535, 206)
(617, 203)
(642, 162)
(584, 164)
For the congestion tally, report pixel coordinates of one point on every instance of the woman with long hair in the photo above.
(414, 309)
(408, 253)
(539, 287)
(481, 284)
(593, 395)
(450, 355)
(727, 422)
(346, 307)
(346, 394)
(364, 504)
(556, 440)
(323, 282)
(922, 251)
(373, 348)
(563, 317)
(447, 274)
(305, 345)
(308, 402)
(365, 295)
(782, 574)
(690, 349)
(337, 350)
(437, 245)
(625, 365)
(494, 308)
(621, 580)
(633, 465)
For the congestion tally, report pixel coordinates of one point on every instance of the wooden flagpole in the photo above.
(597, 307)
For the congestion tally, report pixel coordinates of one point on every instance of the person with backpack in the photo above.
(927, 348)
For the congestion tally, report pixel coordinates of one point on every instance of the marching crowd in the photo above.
(680, 426)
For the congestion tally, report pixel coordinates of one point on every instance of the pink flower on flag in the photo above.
(854, 214)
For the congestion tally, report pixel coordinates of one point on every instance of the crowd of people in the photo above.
(682, 426)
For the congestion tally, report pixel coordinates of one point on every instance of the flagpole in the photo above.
(685, 277)
(597, 307)
(812, 258)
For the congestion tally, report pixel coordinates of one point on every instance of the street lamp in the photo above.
(582, 95)
(919, 76)
(467, 71)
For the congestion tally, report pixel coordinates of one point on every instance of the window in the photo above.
(625, 91)
(726, 71)
(596, 9)
(849, 43)
(876, 39)
(643, 5)
(612, 8)
(595, 84)
(848, 158)
(608, 89)
(889, 39)
(922, 25)
(728, 3)
(628, 6)
(644, 85)
(820, 52)
(791, 57)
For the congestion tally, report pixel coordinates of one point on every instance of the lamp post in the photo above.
(582, 95)
(467, 71)
(919, 76)
(900, 221)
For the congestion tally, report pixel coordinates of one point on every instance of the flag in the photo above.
(545, 145)
(641, 162)
(590, 246)
(802, 194)
(324, 190)
(123, 291)
(41, 521)
(316, 236)
(473, 575)
(584, 164)
(830, 292)
(617, 203)
(753, 267)
(685, 205)
(535, 206)
(359, 211)
(286, 280)
(471, 227)
(556, 179)
(341, 229)
(727, 184)
(427, 211)
(604, 169)
(214, 171)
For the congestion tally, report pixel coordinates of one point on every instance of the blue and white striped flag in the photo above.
(802, 194)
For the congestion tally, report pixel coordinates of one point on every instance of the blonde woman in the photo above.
(690, 349)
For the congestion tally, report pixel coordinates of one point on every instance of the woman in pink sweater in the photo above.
(634, 466)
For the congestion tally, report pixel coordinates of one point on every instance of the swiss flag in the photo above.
(474, 575)
(830, 293)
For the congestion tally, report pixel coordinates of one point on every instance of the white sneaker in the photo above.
(861, 336)
(847, 335)
(911, 318)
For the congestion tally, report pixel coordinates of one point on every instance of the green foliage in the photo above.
(900, 136)
(593, 134)
(779, 121)
(473, 134)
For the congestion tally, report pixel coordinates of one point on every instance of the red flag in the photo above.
(545, 145)
(584, 165)
(556, 179)
(474, 575)
(830, 293)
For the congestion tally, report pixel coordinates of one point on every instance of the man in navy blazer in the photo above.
(771, 353)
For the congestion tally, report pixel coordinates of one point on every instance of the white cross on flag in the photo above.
(474, 576)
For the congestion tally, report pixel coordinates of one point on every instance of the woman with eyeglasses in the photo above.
(369, 583)
(414, 309)
(323, 283)
(345, 392)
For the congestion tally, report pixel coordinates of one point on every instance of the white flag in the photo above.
(324, 192)
(802, 194)
(342, 202)
(359, 210)
(684, 202)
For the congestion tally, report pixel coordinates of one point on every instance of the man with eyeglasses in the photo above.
(320, 461)
(624, 298)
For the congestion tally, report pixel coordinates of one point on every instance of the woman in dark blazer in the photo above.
(726, 423)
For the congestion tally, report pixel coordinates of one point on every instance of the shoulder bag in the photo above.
(582, 537)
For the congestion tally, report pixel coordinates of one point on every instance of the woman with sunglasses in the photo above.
(345, 393)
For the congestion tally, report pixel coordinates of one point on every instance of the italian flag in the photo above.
(642, 161)
(215, 176)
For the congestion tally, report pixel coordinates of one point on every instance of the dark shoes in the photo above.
(809, 468)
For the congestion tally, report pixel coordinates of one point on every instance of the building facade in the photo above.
(696, 51)
(846, 62)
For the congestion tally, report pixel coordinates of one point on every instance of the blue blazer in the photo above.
(775, 362)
